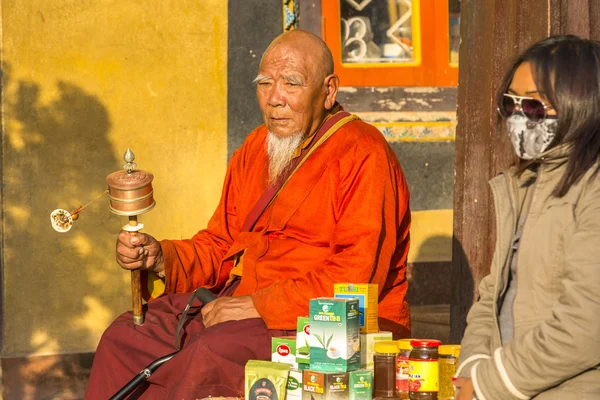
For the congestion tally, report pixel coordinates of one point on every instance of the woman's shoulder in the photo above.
(582, 194)
(589, 185)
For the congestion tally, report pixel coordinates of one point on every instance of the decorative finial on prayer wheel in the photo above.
(131, 194)
(130, 190)
(129, 165)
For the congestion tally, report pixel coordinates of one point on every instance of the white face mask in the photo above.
(530, 138)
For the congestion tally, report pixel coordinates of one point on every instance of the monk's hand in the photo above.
(228, 309)
(465, 388)
(139, 250)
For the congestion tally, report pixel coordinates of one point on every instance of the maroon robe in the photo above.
(125, 349)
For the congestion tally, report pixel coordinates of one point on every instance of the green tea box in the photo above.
(283, 350)
(294, 385)
(304, 340)
(318, 385)
(367, 296)
(361, 385)
(367, 347)
(334, 324)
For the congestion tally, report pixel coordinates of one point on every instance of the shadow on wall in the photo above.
(464, 292)
(433, 282)
(56, 155)
(427, 280)
(441, 286)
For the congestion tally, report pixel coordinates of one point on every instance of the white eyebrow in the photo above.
(294, 79)
(259, 78)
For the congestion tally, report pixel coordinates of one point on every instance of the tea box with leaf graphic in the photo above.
(334, 323)
(304, 340)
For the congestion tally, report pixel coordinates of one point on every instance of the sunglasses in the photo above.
(534, 110)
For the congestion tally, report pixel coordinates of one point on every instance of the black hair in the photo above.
(566, 70)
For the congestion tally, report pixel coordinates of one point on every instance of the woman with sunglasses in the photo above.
(535, 330)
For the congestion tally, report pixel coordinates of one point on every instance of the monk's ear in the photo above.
(332, 84)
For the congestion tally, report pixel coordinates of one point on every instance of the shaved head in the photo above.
(310, 44)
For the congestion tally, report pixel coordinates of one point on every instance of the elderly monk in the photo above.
(340, 214)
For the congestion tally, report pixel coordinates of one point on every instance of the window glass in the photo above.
(377, 31)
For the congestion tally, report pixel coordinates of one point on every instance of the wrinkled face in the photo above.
(291, 91)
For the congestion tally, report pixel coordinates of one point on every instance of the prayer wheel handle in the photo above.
(136, 282)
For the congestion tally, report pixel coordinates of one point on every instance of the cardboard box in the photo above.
(334, 323)
(283, 350)
(324, 385)
(294, 385)
(304, 340)
(367, 347)
(360, 385)
(367, 296)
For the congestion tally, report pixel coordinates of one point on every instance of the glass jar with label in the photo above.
(423, 369)
(448, 357)
(404, 349)
(384, 360)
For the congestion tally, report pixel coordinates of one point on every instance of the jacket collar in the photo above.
(548, 161)
(555, 157)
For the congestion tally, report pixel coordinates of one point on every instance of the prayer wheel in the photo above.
(131, 194)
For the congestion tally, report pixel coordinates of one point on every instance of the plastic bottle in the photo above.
(384, 360)
(404, 349)
(448, 357)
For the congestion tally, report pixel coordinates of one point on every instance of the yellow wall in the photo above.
(431, 236)
(84, 80)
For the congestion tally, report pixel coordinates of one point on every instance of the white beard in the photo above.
(280, 151)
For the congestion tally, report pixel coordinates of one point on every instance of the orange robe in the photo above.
(342, 217)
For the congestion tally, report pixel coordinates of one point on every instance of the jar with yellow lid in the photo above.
(447, 360)
(404, 349)
(384, 360)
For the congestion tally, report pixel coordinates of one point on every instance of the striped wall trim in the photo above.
(413, 125)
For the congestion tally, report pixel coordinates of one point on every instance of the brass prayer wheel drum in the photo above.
(130, 192)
